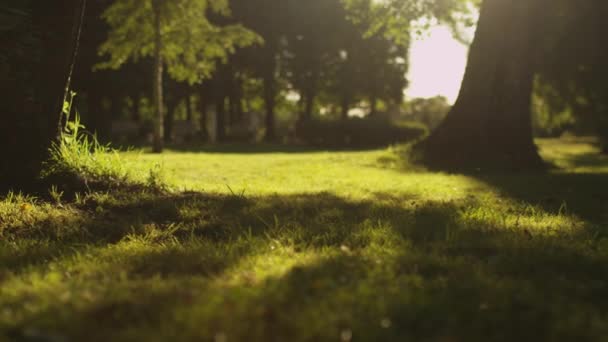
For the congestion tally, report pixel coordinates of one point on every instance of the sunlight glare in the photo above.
(437, 64)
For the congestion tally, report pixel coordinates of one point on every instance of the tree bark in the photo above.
(32, 112)
(158, 80)
(490, 123)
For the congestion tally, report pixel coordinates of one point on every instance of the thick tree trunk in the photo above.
(490, 123)
(31, 112)
(158, 81)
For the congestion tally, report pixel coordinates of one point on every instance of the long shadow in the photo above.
(556, 189)
(432, 275)
(581, 194)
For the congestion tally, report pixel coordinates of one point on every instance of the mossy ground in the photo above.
(278, 244)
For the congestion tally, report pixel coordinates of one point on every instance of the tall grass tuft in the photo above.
(79, 162)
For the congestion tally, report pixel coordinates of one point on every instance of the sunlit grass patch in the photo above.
(308, 245)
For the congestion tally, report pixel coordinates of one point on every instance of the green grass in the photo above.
(274, 244)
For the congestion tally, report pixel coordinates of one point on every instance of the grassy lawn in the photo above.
(272, 244)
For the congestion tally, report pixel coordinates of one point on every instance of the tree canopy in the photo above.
(192, 43)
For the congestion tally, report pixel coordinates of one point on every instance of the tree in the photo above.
(38, 39)
(179, 36)
(571, 80)
(490, 122)
(311, 45)
(269, 19)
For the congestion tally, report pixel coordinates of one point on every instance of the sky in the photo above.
(437, 64)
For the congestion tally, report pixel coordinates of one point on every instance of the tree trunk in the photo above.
(270, 104)
(344, 108)
(240, 95)
(373, 105)
(490, 123)
(309, 103)
(204, 106)
(220, 118)
(158, 80)
(270, 87)
(188, 108)
(33, 111)
(169, 121)
(136, 115)
(116, 107)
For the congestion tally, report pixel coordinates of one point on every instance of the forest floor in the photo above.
(273, 244)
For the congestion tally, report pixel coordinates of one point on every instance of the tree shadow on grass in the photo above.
(582, 194)
(557, 190)
(383, 269)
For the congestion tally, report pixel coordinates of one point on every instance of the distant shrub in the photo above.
(357, 133)
(430, 112)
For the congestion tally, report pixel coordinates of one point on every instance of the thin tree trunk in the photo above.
(240, 94)
(220, 118)
(116, 107)
(136, 115)
(188, 108)
(169, 121)
(344, 108)
(269, 104)
(373, 105)
(490, 123)
(158, 80)
(309, 103)
(204, 106)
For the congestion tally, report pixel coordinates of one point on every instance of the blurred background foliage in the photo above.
(287, 63)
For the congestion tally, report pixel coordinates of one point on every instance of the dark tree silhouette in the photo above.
(490, 123)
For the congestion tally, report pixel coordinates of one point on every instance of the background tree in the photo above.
(267, 18)
(571, 79)
(178, 34)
